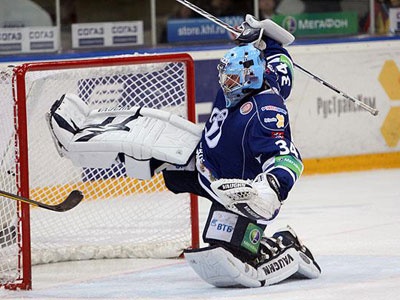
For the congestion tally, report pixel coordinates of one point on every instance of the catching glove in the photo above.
(257, 200)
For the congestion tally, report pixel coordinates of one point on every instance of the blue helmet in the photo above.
(241, 71)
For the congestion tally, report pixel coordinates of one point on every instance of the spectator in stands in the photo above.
(394, 3)
(180, 12)
(23, 13)
(221, 8)
(382, 22)
(267, 8)
(318, 6)
(289, 7)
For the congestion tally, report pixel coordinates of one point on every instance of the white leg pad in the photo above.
(95, 138)
(307, 268)
(220, 268)
(281, 267)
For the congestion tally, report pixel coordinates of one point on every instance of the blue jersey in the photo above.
(248, 139)
(281, 63)
(254, 136)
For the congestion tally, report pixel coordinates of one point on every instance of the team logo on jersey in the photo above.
(246, 108)
(213, 133)
(278, 134)
(270, 120)
(281, 121)
(274, 108)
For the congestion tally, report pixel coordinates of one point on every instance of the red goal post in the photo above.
(120, 217)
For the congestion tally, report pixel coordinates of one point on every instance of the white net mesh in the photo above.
(9, 215)
(119, 216)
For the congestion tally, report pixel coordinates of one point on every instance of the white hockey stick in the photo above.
(237, 32)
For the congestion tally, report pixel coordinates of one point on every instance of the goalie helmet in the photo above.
(241, 71)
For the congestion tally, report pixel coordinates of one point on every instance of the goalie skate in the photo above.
(308, 267)
(283, 256)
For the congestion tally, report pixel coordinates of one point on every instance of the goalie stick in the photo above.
(237, 32)
(72, 200)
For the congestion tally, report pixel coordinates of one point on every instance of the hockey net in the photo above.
(120, 217)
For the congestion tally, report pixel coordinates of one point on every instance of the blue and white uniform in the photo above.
(253, 136)
(247, 164)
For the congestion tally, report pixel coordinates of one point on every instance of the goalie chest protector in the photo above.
(237, 141)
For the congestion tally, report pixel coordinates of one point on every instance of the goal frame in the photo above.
(20, 107)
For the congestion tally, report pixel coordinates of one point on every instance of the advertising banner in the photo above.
(327, 124)
(199, 29)
(28, 39)
(111, 34)
(319, 24)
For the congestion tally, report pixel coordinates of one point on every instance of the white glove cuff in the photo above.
(272, 30)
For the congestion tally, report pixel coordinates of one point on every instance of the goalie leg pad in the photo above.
(221, 268)
(99, 137)
(280, 267)
(308, 267)
(278, 258)
(65, 118)
(218, 267)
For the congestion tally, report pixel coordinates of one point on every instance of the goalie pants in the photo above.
(240, 235)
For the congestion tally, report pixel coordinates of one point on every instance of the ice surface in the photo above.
(351, 222)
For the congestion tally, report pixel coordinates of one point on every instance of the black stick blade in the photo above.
(72, 200)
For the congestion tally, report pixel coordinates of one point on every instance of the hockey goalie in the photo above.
(243, 160)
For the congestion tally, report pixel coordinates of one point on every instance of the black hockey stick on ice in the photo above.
(237, 32)
(72, 200)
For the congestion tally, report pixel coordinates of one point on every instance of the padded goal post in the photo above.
(120, 217)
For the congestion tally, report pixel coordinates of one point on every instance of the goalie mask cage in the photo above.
(120, 217)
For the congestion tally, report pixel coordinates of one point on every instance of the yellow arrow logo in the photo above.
(389, 78)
